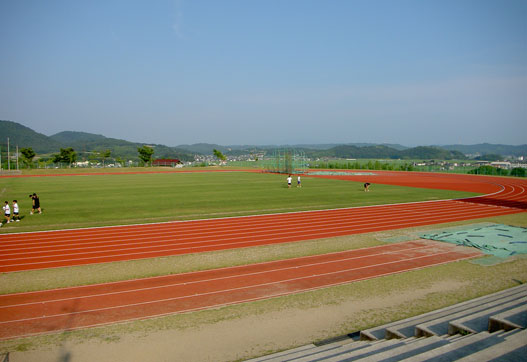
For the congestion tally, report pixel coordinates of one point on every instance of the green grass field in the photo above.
(114, 199)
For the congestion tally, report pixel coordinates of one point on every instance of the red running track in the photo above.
(49, 311)
(26, 251)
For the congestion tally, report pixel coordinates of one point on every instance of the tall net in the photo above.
(287, 160)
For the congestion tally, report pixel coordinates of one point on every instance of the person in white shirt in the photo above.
(298, 184)
(7, 212)
(289, 180)
(16, 215)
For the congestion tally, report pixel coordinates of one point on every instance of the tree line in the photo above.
(496, 171)
(145, 153)
(69, 156)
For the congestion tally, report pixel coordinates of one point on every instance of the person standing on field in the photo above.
(36, 204)
(298, 182)
(16, 211)
(289, 180)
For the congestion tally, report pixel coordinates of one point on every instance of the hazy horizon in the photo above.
(274, 144)
(174, 72)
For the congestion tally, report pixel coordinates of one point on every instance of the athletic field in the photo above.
(296, 256)
(121, 199)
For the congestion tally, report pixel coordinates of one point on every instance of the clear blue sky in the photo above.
(414, 72)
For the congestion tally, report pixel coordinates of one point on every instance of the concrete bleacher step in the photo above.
(513, 318)
(407, 350)
(461, 348)
(324, 352)
(488, 328)
(281, 356)
(406, 328)
(453, 337)
(507, 334)
(439, 326)
(350, 353)
(484, 346)
(512, 349)
(479, 322)
(313, 352)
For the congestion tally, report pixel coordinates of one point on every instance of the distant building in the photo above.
(481, 163)
(82, 164)
(167, 162)
(505, 165)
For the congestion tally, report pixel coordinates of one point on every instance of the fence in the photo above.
(286, 160)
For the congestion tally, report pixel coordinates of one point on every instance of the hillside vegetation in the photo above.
(83, 143)
(88, 144)
(25, 137)
(382, 151)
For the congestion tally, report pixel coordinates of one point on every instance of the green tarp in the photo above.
(498, 240)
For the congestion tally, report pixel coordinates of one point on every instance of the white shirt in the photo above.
(15, 208)
(289, 180)
(7, 210)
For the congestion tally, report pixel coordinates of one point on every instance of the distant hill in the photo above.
(203, 148)
(207, 148)
(487, 148)
(83, 143)
(382, 151)
(70, 136)
(25, 137)
(431, 153)
(394, 146)
(89, 142)
(86, 143)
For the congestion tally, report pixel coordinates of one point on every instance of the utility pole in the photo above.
(8, 163)
(17, 157)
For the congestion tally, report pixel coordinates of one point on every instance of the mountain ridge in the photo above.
(88, 142)
(81, 142)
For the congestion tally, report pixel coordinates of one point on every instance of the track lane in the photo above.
(72, 308)
(348, 217)
(244, 239)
